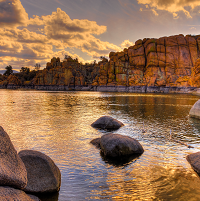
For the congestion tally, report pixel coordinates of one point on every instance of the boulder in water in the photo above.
(8, 193)
(43, 175)
(195, 110)
(116, 145)
(12, 169)
(107, 123)
(194, 160)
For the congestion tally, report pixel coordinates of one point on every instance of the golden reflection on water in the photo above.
(58, 124)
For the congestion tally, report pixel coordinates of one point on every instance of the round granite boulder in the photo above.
(107, 123)
(43, 175)
(12, 169)
(194, 160)
(195, 110)
(116, 145)
(8, 193)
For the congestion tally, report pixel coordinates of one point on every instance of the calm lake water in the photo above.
(58, 124)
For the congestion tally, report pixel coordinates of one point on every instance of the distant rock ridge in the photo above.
(172, 61)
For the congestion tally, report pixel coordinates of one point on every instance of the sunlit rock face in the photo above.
(168, 61)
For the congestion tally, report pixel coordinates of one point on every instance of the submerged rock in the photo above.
(195, 110)
(194, 160)
(107, 123)
(12, 169)
(116, 145)
(43, 175)
(7, 193)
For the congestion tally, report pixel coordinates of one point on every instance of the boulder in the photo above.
(43, 175)
(12, 170)
(195, 110)
(8, 193)
(116, 145)
(194, 160)
(107, 123)
(96, 142)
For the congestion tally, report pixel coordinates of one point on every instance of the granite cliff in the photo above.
(165, 62)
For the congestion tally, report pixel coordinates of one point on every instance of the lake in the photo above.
(58, 124)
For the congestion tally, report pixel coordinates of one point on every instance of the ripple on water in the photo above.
(58, 124)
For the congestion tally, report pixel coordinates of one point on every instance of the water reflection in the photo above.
(58, 124)
(122, 161)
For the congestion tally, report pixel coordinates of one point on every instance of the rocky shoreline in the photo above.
(126, 89)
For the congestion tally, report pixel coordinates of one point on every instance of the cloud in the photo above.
(47, 36)
(172, 6)
(12, 14)
(126, 44)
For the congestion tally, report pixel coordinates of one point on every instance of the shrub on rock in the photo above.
(194, 160)
(107, 123)
(7, 193)
(12, 169)
(43, 175)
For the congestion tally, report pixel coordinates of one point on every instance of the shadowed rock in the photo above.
(7, 193)
(118, 146)
(43, 175)
(107, 123)
(195, 110)
(115, 145)
(194, 160)
(96, 142)
(12, 169)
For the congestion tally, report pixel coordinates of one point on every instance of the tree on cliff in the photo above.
(9, 70)
(37, 66)
(25, 70)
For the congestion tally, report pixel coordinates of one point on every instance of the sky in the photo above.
(34, 31)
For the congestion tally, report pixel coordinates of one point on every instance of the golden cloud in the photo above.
(55, 30)
(172, 6)
(126, 44)
(12, 14)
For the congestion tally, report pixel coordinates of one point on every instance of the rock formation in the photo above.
(164, 62)
(167, 61)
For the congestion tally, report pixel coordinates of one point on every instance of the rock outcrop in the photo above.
(195, 110)
(43, 175)
(167, 61)
(12, 169)
(164, 62)
(107, 123)
(8, 193)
